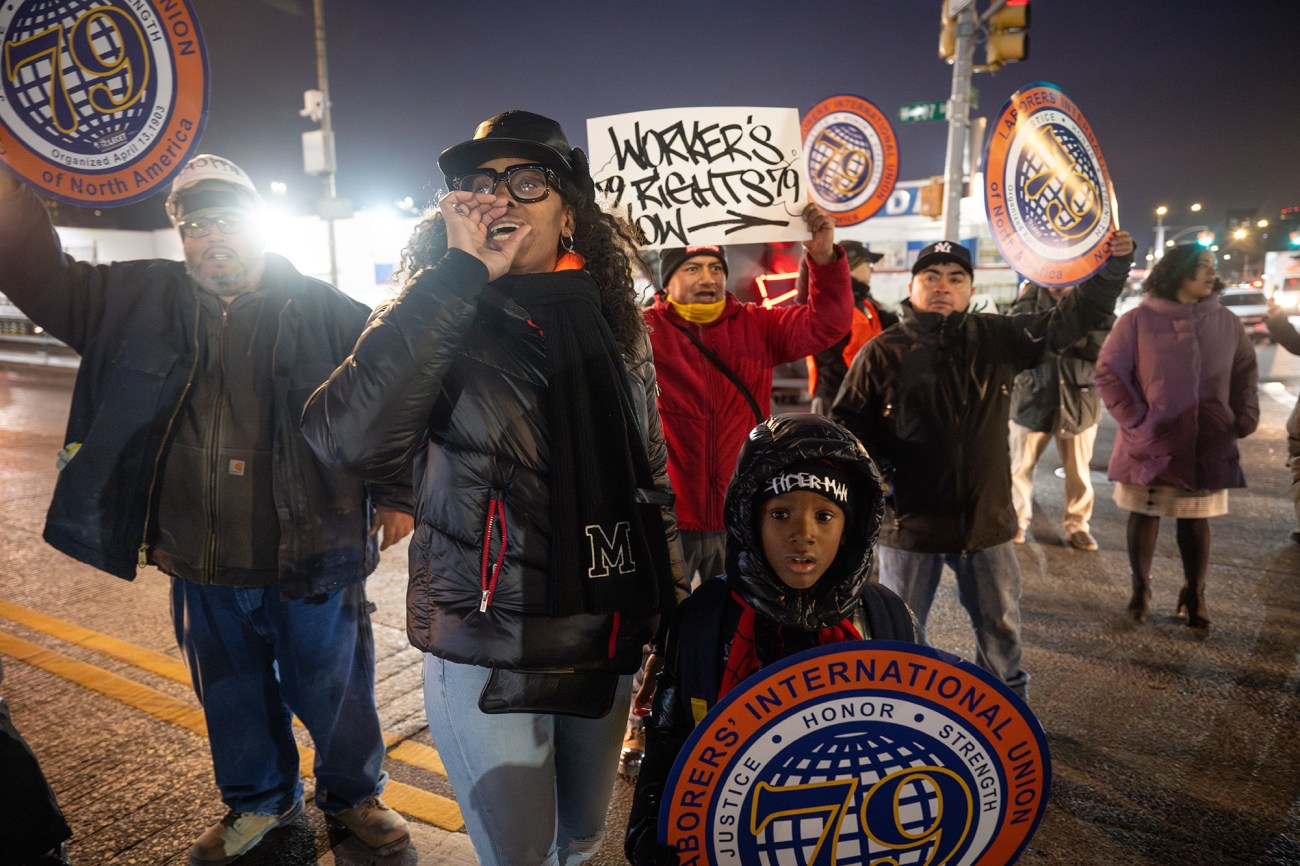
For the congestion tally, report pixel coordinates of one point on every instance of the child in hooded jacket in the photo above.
(803, 510)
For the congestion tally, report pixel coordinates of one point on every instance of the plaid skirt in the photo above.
(1163, 501)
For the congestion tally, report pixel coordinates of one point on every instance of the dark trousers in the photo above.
(30, 821)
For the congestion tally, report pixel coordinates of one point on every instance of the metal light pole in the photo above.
(1160, 231)
(327, 135)
(958, 118)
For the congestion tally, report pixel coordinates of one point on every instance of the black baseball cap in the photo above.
(944, 251)
(857, 252)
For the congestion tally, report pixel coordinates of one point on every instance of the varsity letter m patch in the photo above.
(608, 552)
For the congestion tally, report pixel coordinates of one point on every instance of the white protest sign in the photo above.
(690, 176)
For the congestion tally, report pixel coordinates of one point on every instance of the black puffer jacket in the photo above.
(930, 399)
(698, 645)
(451, 387)
(1058, 396)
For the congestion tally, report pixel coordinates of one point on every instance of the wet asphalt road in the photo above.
(1166, 748)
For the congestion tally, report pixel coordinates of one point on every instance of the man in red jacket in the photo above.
(705, 414)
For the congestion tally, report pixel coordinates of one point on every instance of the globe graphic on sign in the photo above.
(871, 752)
(1058, 189)
(840, 162)
(104, 62)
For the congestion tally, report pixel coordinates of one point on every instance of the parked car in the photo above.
(1251, 306)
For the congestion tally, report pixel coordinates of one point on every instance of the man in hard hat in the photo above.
(183, 451)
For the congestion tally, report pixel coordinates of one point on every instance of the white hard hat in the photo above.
(211, 172)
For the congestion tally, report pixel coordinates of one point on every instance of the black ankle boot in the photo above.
(1191, 604)
(1140, 604)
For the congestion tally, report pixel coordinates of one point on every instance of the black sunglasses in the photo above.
(201, 227)
(527, 182)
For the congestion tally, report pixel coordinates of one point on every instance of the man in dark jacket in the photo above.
(183, 451)
(930, 400)
(1281, 331)
(1057, 400)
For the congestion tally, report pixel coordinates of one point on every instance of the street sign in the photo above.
(919, 112)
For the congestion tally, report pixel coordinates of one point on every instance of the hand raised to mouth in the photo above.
(477, 223)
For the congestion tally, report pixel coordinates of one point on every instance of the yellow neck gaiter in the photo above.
(699, 314)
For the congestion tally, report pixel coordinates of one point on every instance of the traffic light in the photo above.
(947, 34)
(1205, 238)
(1008, 35)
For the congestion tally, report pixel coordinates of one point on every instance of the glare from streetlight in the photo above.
(1196, 207)
(1262, 224)
(1227, 256)
(1162, 210)
(1239, 234)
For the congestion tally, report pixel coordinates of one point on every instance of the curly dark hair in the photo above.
(1175, 268)
(606, 241)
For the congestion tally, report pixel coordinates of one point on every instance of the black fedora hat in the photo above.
(517, 133)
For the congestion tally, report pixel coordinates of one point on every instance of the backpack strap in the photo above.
(888, 616)
(699, 631)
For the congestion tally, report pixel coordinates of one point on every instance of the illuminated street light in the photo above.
(1263, 224)
(1160, 228)
(279, 187)
(1196, 207)
(1239, 234)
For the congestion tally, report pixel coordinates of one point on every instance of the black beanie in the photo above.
(673, 258)
(823, 477)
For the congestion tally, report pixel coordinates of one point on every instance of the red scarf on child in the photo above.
(743, 658)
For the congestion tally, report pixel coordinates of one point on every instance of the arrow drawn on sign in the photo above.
(740, 222)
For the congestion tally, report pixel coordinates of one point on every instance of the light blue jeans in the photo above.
(256, 661)
(988, 585)
(533, 789)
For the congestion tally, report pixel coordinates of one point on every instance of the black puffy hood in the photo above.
(776, 443)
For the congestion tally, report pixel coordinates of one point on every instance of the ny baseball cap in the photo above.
(944, 251)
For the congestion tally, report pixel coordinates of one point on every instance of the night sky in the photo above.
(1190, 101)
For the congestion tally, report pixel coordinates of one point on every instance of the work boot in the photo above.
(235, 834)
(1140, 604)
(1081, 539)
(629, 760)
(376, 826)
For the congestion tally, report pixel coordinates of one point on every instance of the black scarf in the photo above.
(608, 550)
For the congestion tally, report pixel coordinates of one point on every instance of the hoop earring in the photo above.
(566, 241)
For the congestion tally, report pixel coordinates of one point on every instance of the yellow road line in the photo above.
(96, 679)
(423, 805)
(136, 656)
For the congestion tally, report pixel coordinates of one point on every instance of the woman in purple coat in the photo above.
(1178, 374)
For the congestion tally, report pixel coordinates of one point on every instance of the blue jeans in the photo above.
(988, 585)
(256, 661)
(533, 789)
